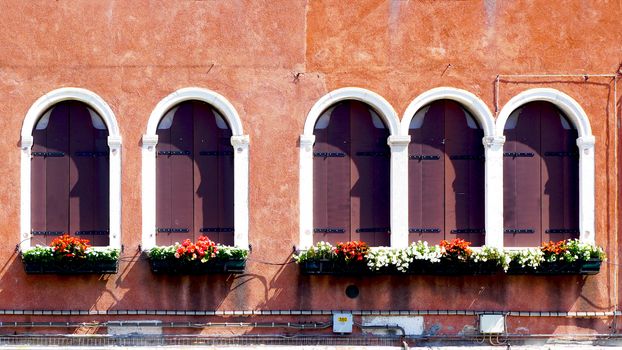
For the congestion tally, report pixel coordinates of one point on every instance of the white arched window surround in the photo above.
(397, 143)
(585, 143)
(493, 148)
(114, 143)
(240, 162)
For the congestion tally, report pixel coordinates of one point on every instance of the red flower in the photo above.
(199, 250)
(354, 250)
(67, 247)
(457, 248)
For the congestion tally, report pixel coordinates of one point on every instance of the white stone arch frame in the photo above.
(114, 143)
(585, 143)
(307, 139)
(493, 148)
(239, 141)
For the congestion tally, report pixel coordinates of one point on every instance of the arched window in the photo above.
(69, 178)
(194, 175)
(541, 176)
(351, 169)
(446, 174)
(70, 170)
(195, 171)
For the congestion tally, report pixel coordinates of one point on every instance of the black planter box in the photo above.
(579, 267)
(443, 268)
(71, 267)
(331, 267)
(448, 267)
(196, 267)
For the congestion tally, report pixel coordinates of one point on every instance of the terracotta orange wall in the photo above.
(135, 53)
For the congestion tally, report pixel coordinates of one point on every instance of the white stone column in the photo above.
(399, 190)
(306, 191)
(240, 145)
(114, 143)
(586, 188)
(149, 191)
(493, 198)
(25, 228)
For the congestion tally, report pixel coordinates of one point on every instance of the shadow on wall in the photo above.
(137, 288)
(21, 291)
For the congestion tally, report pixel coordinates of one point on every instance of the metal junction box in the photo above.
(342, 323)
(491, 324)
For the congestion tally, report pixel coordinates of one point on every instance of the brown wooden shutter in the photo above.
(370, 170)
(464, 176)
(521, 178)
(560, 175)
(174, 178)
(426, 168)
(194, 176)
(540, 176)
(88, 176)
(351, 176)
(446, 175)
(331, 176)
(213, 175)
(70, 175)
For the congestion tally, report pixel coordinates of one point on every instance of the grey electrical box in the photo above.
(342, 323)
(491, 324)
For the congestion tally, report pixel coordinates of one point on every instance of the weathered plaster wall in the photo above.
(135, 53)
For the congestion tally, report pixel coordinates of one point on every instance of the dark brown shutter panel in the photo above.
(331, 177)
(174, 179)
(88, 171)
(70, 176)
(213, 177)
(50, 177)
(426, 170)
(521, 189)
(464, 176)
(560, 176)
(369, 174)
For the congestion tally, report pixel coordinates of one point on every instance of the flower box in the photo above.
(41, 260)
(202, 257)
(71, 267)
(69, 255)
(455, 258)
(331, 267)
(560, 267)
(196, 267)
(447, 267)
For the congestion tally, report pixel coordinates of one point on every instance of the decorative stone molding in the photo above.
(585, 143)
(388, 115)
(239, 141)
(493, 153)
(114, 143)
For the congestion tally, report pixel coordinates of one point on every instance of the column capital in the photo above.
(490, 141)
(586, 141)
(398, 140)
(114, 142)
(150, 141)
(240, 141)
(307, 140)
(27, 142)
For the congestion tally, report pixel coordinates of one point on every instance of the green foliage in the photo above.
(43, 255)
